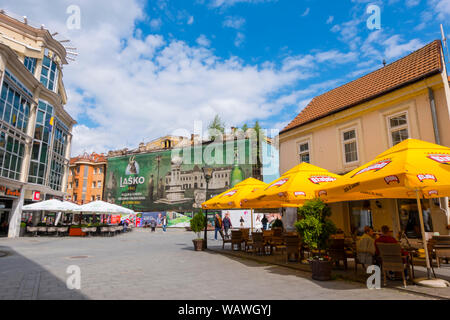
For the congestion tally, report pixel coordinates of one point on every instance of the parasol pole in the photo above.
(251, 217)
(422, 228)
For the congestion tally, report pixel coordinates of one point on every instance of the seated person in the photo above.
(386, 237)
(365, 247)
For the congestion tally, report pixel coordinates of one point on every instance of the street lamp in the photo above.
(207, 172)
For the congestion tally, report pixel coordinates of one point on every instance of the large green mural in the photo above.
(172, 180)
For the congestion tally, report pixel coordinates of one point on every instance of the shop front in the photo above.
(9, 198)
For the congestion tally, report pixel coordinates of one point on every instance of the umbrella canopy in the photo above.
(51, 205)
(411, 169)
(103, 207)
(399, 172)
(231, 199)
(293, 188)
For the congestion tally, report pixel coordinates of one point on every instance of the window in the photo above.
(11, 156)
(409, 218)
(350, 146)
(49, 72)
(14, 107)
(41, 142)
(30, 64)
(99, 184)
(398, 128)
(92, 198)
(70, 185)
(304, 152)
(100, 170)
(95, 171)
(98, 198)
(360, 216)
(94, 184)
(76, 183)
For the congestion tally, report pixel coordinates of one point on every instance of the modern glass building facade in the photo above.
(35, 129)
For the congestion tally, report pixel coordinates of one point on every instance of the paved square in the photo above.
(145, 265)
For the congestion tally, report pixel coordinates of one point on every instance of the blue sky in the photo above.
(150, 68)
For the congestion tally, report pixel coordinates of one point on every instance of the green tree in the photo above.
(245, 127)
(216, 126)
(314, 225)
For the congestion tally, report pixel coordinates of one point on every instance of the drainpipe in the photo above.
(443, 203)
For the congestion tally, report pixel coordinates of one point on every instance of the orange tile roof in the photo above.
(418, 65)
(93, 158)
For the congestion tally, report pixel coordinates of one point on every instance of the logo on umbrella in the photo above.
(433, 193)
(279, 183)
(374, 167)
(390, 179)
(441, 158)
(321, 179)
(229, 194)
(323, 193)
(299, 193)
(423, 177)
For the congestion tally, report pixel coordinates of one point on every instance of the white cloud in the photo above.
(412, 3)
(133, 87)
(240, 38)
(156, 24)
(395, 49)
(441, 8)
(190, 20)
(203, 41)
(229, 3)
(306, 12)
(234, 22)
(330, 19)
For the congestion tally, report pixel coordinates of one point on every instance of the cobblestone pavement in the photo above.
(144, 265)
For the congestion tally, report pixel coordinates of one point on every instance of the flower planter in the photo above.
(321, 269)
(199, 244)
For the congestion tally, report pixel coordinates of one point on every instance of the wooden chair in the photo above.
(236, 239)
(257, 243)
(337, 251)
(293, 247)
(392, 260)
(441, 248)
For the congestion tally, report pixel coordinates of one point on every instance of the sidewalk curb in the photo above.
(219, 251)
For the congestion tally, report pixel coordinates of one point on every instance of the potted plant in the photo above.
(315, 228)
(23, 228)
(197, 226)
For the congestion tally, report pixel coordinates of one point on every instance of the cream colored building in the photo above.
(35, 129)
(350, 125)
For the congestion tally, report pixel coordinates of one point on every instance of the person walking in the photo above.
(164, 222)
(227, 225)
(264, 222)
(242, 222)
(218, 226)
(153, 224)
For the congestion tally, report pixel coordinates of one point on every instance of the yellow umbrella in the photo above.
(231, 198)
(293, 188)
(411, 169)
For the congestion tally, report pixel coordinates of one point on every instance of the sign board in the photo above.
(36, 196)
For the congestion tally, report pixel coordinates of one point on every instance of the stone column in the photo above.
(66, 166)
(16, 215)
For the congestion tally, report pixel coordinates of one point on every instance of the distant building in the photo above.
(166, 174)
(348, 126)
(86, 178)
(35, 129)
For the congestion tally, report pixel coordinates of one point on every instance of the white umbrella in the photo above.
(103, 207)
(50, 205)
